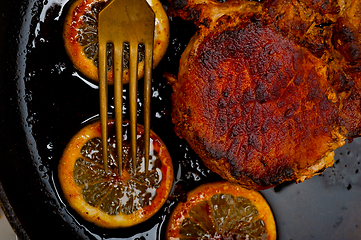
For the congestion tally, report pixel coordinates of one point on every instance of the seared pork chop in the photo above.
(262, 99)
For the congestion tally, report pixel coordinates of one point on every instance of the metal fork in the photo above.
(125, 21)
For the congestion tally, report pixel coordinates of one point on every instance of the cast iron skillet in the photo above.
(44, 101)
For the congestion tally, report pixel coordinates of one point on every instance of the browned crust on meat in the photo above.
(257, 108)
(266, 92)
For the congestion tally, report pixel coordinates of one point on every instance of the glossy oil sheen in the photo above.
(44, 101)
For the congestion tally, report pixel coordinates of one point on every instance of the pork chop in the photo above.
(267, 91)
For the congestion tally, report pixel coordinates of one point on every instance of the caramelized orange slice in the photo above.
(222, 210)
(107, 199)
(80, 36)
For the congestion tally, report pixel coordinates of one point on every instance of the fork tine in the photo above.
(133, 85)
(118, 101)
(147, 96)
(103, 95)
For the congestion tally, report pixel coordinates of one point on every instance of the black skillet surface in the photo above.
(44, 101)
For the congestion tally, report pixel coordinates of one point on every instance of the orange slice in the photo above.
(80, 36)
(222, 210)
(107, 199)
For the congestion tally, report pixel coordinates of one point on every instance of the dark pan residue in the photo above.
(44, 101)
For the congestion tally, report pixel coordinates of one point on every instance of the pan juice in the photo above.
(60, 101)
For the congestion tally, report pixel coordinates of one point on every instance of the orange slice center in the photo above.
(112, 193)
(222, 217)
